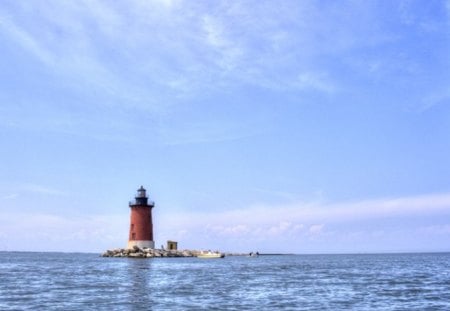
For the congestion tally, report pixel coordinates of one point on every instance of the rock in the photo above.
(146, 252)
(186, 253)
(136, 248)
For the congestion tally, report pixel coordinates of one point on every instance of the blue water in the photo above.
(56, 281)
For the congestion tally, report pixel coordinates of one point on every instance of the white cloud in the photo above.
(25, 39)
(335, 212)
(436, 229)
(316, 229)
(10, 196)
(289, 221)
(214, 32)
(229, 231)
(437, 98)
(46, 232)
(205, 132)
(256, 227)
(314, 81)
(23, 189)
(40, 189)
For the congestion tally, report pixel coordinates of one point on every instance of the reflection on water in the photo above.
(139, 273)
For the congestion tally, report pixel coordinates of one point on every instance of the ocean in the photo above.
(62, 281)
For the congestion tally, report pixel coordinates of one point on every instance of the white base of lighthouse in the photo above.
(141, 244)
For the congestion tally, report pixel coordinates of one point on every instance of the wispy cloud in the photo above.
(322, 213)
(438, 98)
(42, 189)
(25, 39)
(152, 54)
(316, 229)
(180, 46)
(10, 196)
(63, 40)
(436, 229)
(23, 189)
(314, 81)
(205, 132)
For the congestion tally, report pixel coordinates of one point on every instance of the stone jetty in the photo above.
(137, 252)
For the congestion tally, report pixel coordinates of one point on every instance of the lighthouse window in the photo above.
(132, 226)
(133, 236)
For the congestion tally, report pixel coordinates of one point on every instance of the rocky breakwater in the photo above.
(137, 252)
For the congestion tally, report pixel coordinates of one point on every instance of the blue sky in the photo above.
(296, 126)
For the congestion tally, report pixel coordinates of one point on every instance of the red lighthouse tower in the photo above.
(141, 225)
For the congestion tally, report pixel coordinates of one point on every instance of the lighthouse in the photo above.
(141, 225)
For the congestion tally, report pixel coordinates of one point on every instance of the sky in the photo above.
(288, 126)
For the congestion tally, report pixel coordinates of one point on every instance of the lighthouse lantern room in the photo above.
(141, 225)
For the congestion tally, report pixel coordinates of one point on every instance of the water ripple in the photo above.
(54, 281)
